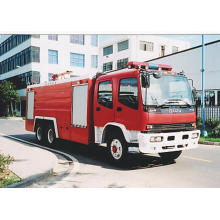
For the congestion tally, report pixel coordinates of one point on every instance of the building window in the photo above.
(107, 66)
(175, 49)
(128, 93)
(107, 50)
(209, 98)
(11, 42)
(35, 54)
(121, 64)
(77, 59)
(77, 39)
(105, 94)
(94, 40)
(123, 45)
(162, 49)
(94, 61)
(31, 54)
(35, 35)
(146, 46)
(53, 37)
(52, 56)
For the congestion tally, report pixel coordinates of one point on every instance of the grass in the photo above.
(6, 176)
(209, 139)
(8, 180)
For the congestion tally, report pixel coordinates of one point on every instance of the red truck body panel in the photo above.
(56, 101)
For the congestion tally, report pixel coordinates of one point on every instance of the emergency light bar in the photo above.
(137, 65)
(165, 67)
(145, 65)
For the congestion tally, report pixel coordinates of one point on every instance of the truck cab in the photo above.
(146, 108)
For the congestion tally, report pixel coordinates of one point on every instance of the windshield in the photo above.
(168, 90)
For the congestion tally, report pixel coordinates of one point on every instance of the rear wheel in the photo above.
(170, 156)
(50, 135)
(39, 133)
(117, 149)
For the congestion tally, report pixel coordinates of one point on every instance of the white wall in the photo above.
(134, 53)
(158, 42)
(191, 60)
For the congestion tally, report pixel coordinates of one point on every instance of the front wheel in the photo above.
(118, 149)
(170, 156)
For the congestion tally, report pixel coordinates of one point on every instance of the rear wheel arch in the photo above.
(45, 122)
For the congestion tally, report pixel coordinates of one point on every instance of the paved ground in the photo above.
(26, 163)
(195, 168)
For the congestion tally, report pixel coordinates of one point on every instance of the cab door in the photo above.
(103, 103)
(127, 107)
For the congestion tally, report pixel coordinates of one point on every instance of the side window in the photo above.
(128, 92)
(105, 94)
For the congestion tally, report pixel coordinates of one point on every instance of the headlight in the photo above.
(156, 139)
(195, 135)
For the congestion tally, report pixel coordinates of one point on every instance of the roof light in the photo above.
(153, 66)
(165, 67)
(145, 65)
(137, 65)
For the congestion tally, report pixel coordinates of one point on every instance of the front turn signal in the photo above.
(194, 125)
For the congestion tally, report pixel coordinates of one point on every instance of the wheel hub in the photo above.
(116, 149)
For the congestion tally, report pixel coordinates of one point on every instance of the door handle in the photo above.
(119, 109)
(98, 109)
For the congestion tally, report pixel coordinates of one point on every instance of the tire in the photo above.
(118, 150)
(39, 133)
(50, 137)
(170, 156)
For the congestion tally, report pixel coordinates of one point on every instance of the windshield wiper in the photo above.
(164, 105)
(179, 100)
(171, 102)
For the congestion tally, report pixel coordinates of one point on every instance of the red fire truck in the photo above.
(145, 108)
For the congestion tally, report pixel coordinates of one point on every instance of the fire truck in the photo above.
(145, 108)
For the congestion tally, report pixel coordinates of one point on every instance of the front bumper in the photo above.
(174, 141)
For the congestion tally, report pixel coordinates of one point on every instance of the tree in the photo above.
(7, 96)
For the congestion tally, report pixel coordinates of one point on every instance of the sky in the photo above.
(194, 40)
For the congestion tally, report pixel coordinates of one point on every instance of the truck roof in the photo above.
(123, 72)
(49, 83)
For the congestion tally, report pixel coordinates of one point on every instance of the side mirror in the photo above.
(194, 93)
(145, 82)
(157, 74)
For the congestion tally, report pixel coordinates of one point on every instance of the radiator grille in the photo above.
(171, 127)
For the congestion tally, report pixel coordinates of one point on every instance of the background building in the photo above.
(190, 61)
(28, 59)
(115, 53)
